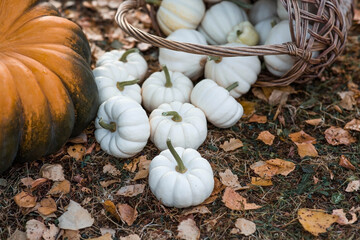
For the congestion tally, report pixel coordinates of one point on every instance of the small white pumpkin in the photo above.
(165, 87)
(191, 65)
(177, 14)
(130, 59)
(219, 21)
(279, 64)
(221, 109)
(261, 10)
(180, 177)
(281, 11)
(228, 70)
(113, 80)
(184, 123)
(244, 33)
(264, 27)
(122, 127)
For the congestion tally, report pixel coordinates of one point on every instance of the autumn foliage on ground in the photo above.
(288, 170)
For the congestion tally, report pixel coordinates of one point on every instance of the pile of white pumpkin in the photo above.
(179, 176)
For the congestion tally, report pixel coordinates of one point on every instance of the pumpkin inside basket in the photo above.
(323, 31)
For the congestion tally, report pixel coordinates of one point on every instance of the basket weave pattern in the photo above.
(324, 31)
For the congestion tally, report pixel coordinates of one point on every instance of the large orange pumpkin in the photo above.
(47, 89)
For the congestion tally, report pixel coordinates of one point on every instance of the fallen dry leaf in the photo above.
(38, 182)
(249, 108)
(307, 150)
(315, 221)
(229, 179)
(131, 237)
(143, 169)
(301, 137)
(235, 201)
(52, 172)
(353, 125)
(48, 206)
(231, 145)
(60, 188)
(285, 167)
(198, 209)
(132, 166)
(347, 100)
(34, 229)
(76, 151)
(278, 97)
(75, 218)
(111, 208)
(25, 200)
(107, 236)
(314, 122)
(344, 162)
(337, 136)
(131, 190)
(258, 181)
(81, 138)
(105, 184)
(104, 231)
(270, 168)
(266, 137)
(71, 234)
(127, 213)
(246, 227)
(257, 119)
(188, 230)
(112, 170)
(18, 235)
(27, 181)
(51, 233)
(342, 219)
(353, 186)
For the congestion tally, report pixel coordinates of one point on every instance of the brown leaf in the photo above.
(27, 181)
(90, 149)
(231, 145)
(229, 179)
(344, 162)
(342, 219)
(52, 172)
(302, 137)
(82, 138)
(51, 233)
(111, 208)
(270, 168)
(143, 169)
(257, 119)
(218, 187)
(127, 213)
(210, 199)
(307, 149)
(266, 137)
(112, 170)
(18, 235)
(132, 166)
(38, 182)
(188, 230)
(105, 184)
(71, 234)
(284, 167)
(76, 151)
(107, 236)
(315, 221)
(249, 108)
(353, 186)
(60, 188)
(25, 200)
(353, 125)
(48, 206)
(34, 229)
(235, 201)
(278, 97)
(131, 237)
(258, 181)
(198, 209)
(347, 100)
(246, 227)
(337, 136)
(258, 92)
(131, 190)
(314, 122)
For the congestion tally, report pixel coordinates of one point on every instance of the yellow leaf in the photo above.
(249, 108)
(315, 221)
(111, 208)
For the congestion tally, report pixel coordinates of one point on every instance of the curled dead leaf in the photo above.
(60, 188)
(229, 179)
(76, 151)
(353, 186)
(231, 145)
(342, 219)
(344, 162)
(235, 201)
(266, 137)
(48, 206)
(302, 137)
(307, 150)
(249, 108)
(25, 200)
(188, 230)
(111, 208)
(353, 125)
(314, 122)
(257, 119)
(337, 136)
(258, 181)
(127, 213)
(52, 172)
(315, 221)
(112, 170)
(131, 190)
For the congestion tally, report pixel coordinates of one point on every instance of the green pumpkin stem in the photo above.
(176, 116)
(216, 59)
(232, 86)
(180, 167)
(127, 53)
(168, 82)
(109, 126)
(121, 85)
(154, 2)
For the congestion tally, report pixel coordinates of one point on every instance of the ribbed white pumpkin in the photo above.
(113, 80)
(244, 33)
(191, 65)
(122, 127)
(130, 59)
(261, 10)
(228, 70)
(183, 123)
(181, 181)
(219, 21)
(279, 64)
(221, 109)
(165, 87)
(264, 27)
(177, 14)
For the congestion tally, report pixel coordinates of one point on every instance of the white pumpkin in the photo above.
(281, 11)
(262, 10)
(221, 109)
(264, 27)
(130, 59)
(122, 127)
(113, 80)
(244, 33)
(180, 177)
(191, 65)
(177, 14)
(228, 70)
(219, 21)
(165, 87)
(183, 123)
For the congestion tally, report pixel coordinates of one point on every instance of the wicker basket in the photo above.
(327, 35)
